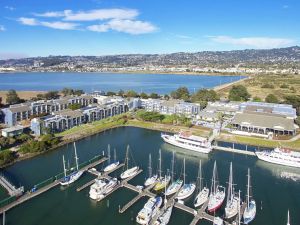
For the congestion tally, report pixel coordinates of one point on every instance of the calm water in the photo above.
(273, 194)
(159, 83)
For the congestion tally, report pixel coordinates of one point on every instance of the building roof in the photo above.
(171, 103)
(264, 121)
(20, 108)
(70, 113)
(12, 129)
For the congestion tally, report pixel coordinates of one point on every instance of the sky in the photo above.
(106, 27)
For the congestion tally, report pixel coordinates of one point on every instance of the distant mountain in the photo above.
(276, 58)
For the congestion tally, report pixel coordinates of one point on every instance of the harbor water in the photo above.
(275, 188)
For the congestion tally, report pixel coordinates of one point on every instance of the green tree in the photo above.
(74, 106)
(166, 97)
(51, 95)
(78, 92)
(143, 95)
(7, 156)
(131, 93)
(154, 95)
(203, 96)
(67, 91)
(271, 99)
(181, 93)
(293, 100)
(110, 93)
(121, 92)
(257, 99)
(239, 93)
(12, 97)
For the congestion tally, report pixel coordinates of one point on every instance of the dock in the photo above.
(239, 151)
(10, 188)
(30, 195)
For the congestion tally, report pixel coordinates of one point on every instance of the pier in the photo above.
(239, 151)
(10, 188)
(30, 195)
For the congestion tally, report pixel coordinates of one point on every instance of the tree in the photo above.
(203, 96)
(293, 100)
(121, 92)
(143, 95)
(257, 99)
(110, 93)
(131, 93)
(67, 91)
(78, 92)
(166, 97)
(239, 93)
(154, 95)
(271, 99)
(12, 97)
(74, 106)
(51, 95)
(181, 93)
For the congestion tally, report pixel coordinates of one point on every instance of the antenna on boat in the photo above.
(76, 158)
(159, 163)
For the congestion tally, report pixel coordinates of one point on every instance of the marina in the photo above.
(128, 197)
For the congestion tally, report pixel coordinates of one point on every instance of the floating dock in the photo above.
(10, 188)
(239, 151)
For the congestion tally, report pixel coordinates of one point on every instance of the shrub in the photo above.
(268, 86)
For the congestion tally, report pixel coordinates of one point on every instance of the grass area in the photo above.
(282, 85)
(260, 141)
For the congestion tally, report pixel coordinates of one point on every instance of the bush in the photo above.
(268, 86)
(271, 99)
(284, 86)
(6, 157)
(150, 116)
(181, 93)
(257, 99)
(74, 106)
(33, 146)
(239, 93)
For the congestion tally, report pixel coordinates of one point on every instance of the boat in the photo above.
(217, 192)
(111, 165)
(187, 189)
(203, 192)
(187, 141)
(218, 221)
(164, 218)
(149, 210)
(288, 218)
(162, 182)
(102, 187)
(71, 178)
(250, 210)
(280, 156)
(151, 178)
(129, 172)
(175, 185)
(232, 202)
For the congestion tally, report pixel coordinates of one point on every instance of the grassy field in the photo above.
(282, 85)
(26, 95)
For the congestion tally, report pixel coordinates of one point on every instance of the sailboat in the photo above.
(187, 189)
(151, 178)
(217, 193)
(250, 210)
(232, 202)
(71, 178)
(111, 165)
(175, 185)
(129, 172)
(162, 181)
(288, 218)
(203, 192)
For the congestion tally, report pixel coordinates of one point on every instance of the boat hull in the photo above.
(202, 197)
(215, 201)
(170, 140)
(277, 161)
(111, 167)
(174, 187)
(186, 191)
(130, 172)
(150, 181)
(71, 178)
(250, 213)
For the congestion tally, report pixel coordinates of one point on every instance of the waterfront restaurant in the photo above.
(263, 123)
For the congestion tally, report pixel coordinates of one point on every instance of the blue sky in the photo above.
(105, 27)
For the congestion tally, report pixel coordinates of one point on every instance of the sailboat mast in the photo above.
(165, 202)
(126, 157)
(288, 218)
(159, 163)
(248, 189)
(172, 168)
(229, 194)
(213, 185)
(183, 171)
(150, 166)
(64, 163)
(239, 209)
(108, 153)
(115, 155)
(76, 158)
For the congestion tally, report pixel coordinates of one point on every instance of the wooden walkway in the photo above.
(30, 195)
(10, 188)
(239, 151)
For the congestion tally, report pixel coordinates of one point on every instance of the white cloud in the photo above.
(10, 8)
(2, 28)
(28, 21)
(255, 42)
(92, 15)
(126, 26)
(55, 25)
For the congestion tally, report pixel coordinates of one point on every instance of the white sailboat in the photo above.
(187, 189)
(71, 178)
(250, 211)
(102, 187)
(111, 165)
(151, 178)
(129, 172)
(175, 185)
(217, 193)
(164, 217)
(203, 192)
(232, 202)
(162, 182)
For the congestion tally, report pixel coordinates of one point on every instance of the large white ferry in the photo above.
(280, 156)
(188, 141)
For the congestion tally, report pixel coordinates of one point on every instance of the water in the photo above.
(68, 207)
(159, 83)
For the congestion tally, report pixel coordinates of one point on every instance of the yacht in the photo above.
(250, 210)
(175, 185)
(187, 189)
(280, 156)
(203, 192)
(111, 165)
(165, 216)
(232, 202)
(150, 209)
(129, 172)
(187, 141)
(217, 193)
(101, 188)
(71, 178)
(162, 182)
(151, 178)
